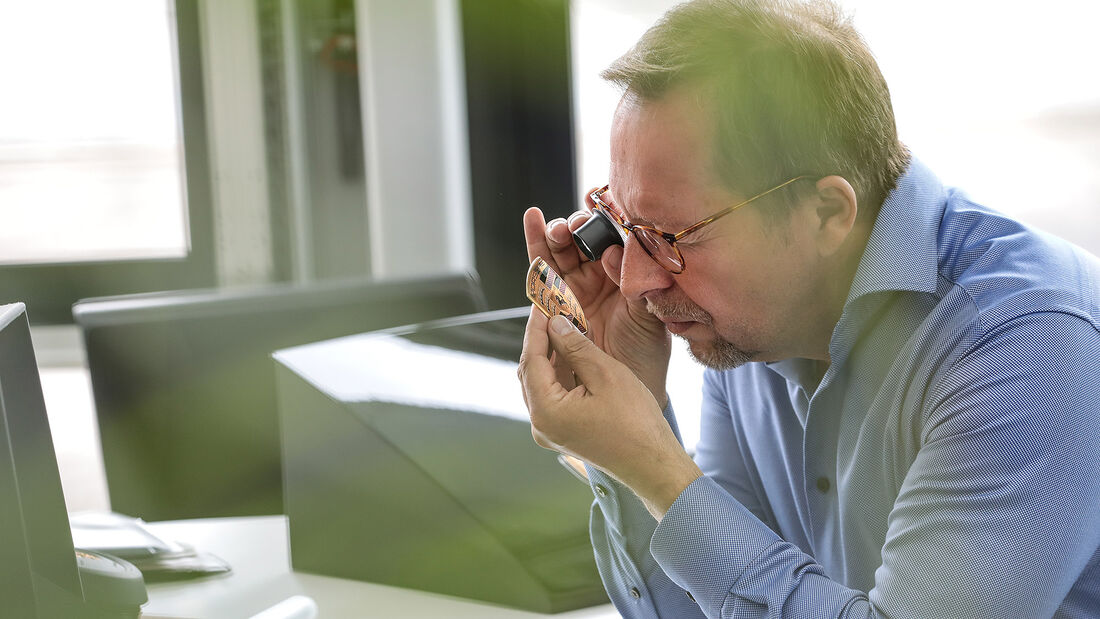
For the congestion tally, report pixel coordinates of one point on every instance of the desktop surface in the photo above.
(258, 550)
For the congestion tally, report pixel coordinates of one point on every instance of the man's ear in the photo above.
(835, 209)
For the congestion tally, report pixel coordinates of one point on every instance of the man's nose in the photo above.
(640, 274)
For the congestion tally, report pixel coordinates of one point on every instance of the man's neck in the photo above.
(833, 294)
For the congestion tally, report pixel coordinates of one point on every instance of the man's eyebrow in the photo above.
(641, 221)
(663, 226)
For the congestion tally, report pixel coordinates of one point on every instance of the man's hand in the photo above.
(609, 419)
(622, 328)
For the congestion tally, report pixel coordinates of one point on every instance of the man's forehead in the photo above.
(687, 97)
(661, 163)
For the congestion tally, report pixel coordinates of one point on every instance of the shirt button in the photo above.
(601, 491)
(823, 484)
(635, 593)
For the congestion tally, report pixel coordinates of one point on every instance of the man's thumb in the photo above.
(579, 351)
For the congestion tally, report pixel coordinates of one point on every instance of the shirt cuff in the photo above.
(621, 509)
(706, 540)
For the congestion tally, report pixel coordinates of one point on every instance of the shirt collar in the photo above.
(804, 373)
(901, 251)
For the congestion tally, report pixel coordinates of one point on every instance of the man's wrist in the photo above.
(659, 492)
(656, 385)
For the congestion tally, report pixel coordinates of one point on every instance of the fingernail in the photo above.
(559, 230)
(560, 325)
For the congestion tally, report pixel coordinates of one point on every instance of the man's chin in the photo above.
(717, 354)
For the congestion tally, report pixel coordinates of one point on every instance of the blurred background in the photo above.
(153, 145)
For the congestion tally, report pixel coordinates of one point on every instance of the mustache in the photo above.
(678, 310)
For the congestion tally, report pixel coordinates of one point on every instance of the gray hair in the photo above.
(792, 86)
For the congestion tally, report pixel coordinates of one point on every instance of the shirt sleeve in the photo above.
(997, 517)
(621, 529)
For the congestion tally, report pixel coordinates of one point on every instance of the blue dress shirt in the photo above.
(945, 465)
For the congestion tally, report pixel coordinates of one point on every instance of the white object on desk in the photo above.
(294, 607)
(257, 549)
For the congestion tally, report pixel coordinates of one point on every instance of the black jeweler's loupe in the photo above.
(596, 235)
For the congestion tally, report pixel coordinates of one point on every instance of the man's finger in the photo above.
(578, 219)
(552, 241)
(534, 231)
(559, 239)
(563, 372)
(612, 261)
(536, 375)
(535, 343)
(589, 363)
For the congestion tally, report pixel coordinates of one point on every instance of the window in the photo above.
(93, 144)
(94, 198)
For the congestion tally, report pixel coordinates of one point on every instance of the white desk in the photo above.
(257, 549)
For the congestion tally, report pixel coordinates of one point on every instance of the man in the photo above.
(901, 413)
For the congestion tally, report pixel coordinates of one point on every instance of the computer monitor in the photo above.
(38, 573)
(184, 383)
(41, 575)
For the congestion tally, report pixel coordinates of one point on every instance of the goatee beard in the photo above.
(716, 353)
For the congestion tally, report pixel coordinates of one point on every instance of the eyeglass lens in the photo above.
(654, 243)
(660, 249)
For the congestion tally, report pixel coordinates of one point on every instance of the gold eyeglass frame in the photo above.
(669, 237)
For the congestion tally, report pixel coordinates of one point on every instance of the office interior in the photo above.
(220, 151)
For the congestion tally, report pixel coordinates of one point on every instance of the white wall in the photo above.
(234, 122)
(414, 124)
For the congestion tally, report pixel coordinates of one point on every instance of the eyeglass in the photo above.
(661, 245)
